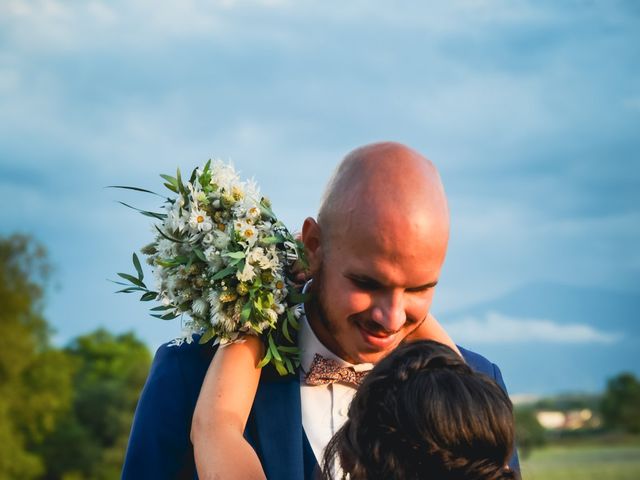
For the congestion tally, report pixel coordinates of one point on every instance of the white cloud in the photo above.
(498, 328)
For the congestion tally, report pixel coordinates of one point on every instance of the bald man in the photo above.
(375, 252)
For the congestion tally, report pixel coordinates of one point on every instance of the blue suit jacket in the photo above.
(159, 445)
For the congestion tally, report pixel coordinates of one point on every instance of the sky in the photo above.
(530, 110)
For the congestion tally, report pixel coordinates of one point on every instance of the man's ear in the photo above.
(312, 240)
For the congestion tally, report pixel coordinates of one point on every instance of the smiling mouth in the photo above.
(379, 340)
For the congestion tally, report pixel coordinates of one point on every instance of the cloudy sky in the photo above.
(531, 110)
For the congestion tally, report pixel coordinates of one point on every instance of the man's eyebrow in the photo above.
(426, 286)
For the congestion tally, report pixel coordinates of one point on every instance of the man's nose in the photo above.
(389, 311)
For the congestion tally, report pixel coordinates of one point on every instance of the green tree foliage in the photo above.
(620, 405)
(35, 379)
(91, 440)
(529, 433)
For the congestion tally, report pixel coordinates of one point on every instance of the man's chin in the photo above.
(369, 355)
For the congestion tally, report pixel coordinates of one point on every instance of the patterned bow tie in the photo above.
(324, 371)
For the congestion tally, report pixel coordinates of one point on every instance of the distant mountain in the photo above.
(551, 338)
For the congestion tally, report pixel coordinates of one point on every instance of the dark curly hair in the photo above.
(423, 413)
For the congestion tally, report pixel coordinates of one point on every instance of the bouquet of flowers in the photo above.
(224, 261)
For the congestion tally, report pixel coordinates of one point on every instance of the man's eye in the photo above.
(364, 284)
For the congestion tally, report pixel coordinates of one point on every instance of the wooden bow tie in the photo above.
(324, 371)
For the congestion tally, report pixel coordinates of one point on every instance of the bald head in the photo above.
(376, 251)
(383, 185)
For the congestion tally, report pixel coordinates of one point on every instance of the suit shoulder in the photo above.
(480, 363)
(188, 353)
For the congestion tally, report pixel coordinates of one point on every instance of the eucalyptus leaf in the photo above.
(171, 187)
(166, 235)
(289, 365)
(266, 359)
(272, 239)
(206, 336)
(136, 263)
(132, 279)
(166, 316)
(170, 179)
(292, 319)
(280, 367)
(274, 349)
(137, 189)
(148, 296)
(132, 289)
(159, 216)
(235, 255)
(200, 254)
(246, 311)
(297, 297)
(292, 350)
(161, 308)
(285, 329)
(224, 273)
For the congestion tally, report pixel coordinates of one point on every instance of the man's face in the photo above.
(371, 291)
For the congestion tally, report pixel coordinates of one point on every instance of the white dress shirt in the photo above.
(324, 407)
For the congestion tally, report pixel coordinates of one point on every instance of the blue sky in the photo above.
(531, 110)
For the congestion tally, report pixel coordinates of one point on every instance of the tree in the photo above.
(91, 440)
(620, 405)
(529, 433)
(35, 379)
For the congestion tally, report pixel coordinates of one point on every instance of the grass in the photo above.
(584, 461)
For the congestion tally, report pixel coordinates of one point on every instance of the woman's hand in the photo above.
(430, 329)
(221, 413)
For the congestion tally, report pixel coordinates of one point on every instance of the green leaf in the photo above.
(159, 216)
(280, 367)
(297, 297)
(257, 303)
(132, 279)
(170, 179)
(137, 189)
(200, 254)
(274, 349)
(292, 350)
(289, 365)
(171, 187)
(266, 210)
(148, 296)
(285, 329)
(206, 336)
(292, 319)
(235, 255)
(180, 186)
(166, 316)
(272, 239)
(246, 311)
(160, 308)
(136, 263)
(132, 289)
(165, 235)
(266, 359)
(237, 261)
(224, 273)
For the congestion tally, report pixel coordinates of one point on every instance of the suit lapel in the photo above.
(275, 425)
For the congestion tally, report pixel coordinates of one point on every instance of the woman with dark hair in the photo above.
(423, 413)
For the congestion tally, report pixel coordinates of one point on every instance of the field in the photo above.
(584, 462)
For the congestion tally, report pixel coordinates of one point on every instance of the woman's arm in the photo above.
(430, 329)
(220, 416)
